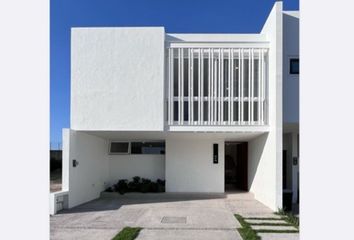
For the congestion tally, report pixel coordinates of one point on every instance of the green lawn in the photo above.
(246, 232)
(127, 233)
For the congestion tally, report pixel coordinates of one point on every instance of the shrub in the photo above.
(136, 179)
(160, 185)
(154, 187)
(110, 189)
(134, 185)
(145, 185)
(138, 184)
(121, 186)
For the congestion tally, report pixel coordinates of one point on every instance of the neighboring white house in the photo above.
(205, 112)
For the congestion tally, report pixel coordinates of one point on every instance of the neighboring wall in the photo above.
(117, 78)
(85, 181)
(291, 81)
(265, 152)
(149, 166)
(190, 168)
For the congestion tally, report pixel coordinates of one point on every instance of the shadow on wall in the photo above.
(255, 151)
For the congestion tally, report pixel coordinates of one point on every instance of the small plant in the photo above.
(145, 185)
(154, 187)
(109, 189)
(160, 185)
(136, 180)
(134, 185)
(121, 186)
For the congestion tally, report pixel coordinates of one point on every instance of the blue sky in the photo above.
(177, 16)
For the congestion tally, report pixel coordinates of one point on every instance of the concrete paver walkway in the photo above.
(163, 216)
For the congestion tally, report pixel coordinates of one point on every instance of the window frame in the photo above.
(144, 141)
(119, 153)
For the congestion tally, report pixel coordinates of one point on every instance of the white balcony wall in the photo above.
(117, 78)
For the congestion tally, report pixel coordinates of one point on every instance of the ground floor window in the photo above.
(137, 147)
(148, 147)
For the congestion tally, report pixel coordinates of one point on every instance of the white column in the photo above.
(259, 87)
(262, 88)
(252, 88)
(229, 86)
(242, 83)
(192, 86)
(249, 86)
(209, 87)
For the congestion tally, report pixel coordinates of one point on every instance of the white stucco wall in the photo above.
(291, 81)
(145, 166)
(265, 152)
(88, 179)
(190, 167)
(117, 78)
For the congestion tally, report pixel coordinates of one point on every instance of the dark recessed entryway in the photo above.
(236, 168)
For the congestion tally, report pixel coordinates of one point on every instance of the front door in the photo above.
(242, 166)
(236, 166)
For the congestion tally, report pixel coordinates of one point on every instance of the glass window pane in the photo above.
(119, 147)
(294, 66)
(148, 148)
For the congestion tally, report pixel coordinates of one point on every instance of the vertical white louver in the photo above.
(216, 86)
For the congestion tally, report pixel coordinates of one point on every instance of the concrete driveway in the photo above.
(163, 216)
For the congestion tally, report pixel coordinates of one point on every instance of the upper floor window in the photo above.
(294, 66)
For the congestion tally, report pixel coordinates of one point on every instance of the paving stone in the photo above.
(87, 234)
(279, 236)
(174, 220)
(260, 227)
(207, 216)
(187, 234)
(265, 221)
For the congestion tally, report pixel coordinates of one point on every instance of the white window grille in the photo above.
(216, 86)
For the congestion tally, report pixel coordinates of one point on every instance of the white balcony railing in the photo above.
(216, 86)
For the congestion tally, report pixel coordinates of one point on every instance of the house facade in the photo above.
(205, 112)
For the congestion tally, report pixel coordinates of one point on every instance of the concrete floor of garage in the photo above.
(162, 216)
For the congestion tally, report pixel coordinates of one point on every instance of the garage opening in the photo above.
(236, 166)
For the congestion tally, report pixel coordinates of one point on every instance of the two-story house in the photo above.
(205, 112)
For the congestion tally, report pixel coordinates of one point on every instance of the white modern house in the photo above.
(205, 112)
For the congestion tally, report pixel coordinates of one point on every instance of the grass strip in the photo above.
(289, 218)
(246, 232)
(127, 233)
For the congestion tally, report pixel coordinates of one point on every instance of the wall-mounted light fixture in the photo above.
(294, 161)
(75, 163)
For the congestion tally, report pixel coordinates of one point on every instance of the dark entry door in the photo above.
(242, 166)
